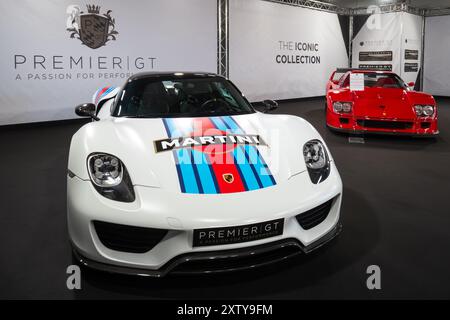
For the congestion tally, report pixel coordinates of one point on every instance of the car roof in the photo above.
(172, 74)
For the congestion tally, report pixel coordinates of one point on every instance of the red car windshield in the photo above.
(380, 80)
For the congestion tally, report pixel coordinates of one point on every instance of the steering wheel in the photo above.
(209, 104)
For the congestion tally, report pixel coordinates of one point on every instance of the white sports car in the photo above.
(177, 173)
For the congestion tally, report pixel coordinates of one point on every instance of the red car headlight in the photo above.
(344, 107)
(424, 110)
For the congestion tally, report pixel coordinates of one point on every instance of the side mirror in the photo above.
(269, 105)
(86, 110)
(411, 84)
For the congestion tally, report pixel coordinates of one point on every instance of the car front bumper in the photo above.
(385, 132)
(229, 260)
(426, 127)
(180, 214)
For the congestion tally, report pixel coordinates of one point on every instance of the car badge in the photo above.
(228, 177)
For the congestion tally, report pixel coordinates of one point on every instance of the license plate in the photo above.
(238, 234)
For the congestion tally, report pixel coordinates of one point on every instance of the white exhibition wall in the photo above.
(47, 69)
(390, 41)
(282, 52)
(437, 53)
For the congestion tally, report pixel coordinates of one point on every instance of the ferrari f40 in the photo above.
(384, 104)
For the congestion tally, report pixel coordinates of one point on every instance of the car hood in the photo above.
(388, 103)
(272, 155)
(383, 103)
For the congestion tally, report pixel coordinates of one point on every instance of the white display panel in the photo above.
(282, 52)
(437, 52)
(45, 72)
(390, 41)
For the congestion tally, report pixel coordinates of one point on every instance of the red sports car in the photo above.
(383, 104)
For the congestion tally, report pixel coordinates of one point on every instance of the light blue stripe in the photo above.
(254, 158)
(171, 127)
(204, 172)
(245, 168)
(187, 171)
(219, 124)
(183, 159)
(107, 91)
(260, 167)
(232, 124)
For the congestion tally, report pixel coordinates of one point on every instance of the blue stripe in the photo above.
(254, 157)
(246, 170)
(180, 175)
(218, 122)
(195, 169)
(187, 171)
(266, 167)
(232, 124)
(107, 91)
(186, 175)
(213, 176)
(204, 171)
(260, 168)
(249, 174)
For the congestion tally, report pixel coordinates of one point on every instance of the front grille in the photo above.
(425, 125)
(385, 124)
(128, 238)
(315, 216)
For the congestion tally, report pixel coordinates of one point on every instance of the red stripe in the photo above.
(220, 156)
(100, 93)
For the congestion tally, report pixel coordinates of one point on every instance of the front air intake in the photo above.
(315, 216)
(125, 238)
(385, 124)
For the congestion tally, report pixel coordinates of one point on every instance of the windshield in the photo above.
(337, 76)
(172, 97)
(380, 80)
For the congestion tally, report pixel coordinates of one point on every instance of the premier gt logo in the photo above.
(189, 142)
(92, 28)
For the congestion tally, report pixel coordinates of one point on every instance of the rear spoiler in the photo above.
(344, 70)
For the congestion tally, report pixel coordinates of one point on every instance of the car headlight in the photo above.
(110, 177)
(342, 107)
(317, 161)
(428, 110)
(424, 110)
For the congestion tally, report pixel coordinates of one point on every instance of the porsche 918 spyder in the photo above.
(177, 173)
(385, 105)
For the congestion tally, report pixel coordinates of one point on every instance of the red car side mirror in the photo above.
(411, 84)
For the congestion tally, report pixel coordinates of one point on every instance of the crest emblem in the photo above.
(228, 177)
(92, 28)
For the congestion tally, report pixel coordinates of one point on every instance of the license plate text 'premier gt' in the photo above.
(237, 234)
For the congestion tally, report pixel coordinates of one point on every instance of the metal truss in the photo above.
(313, 4)
(437, 12)
(400, 6)
(395, 7)
(222, 37)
